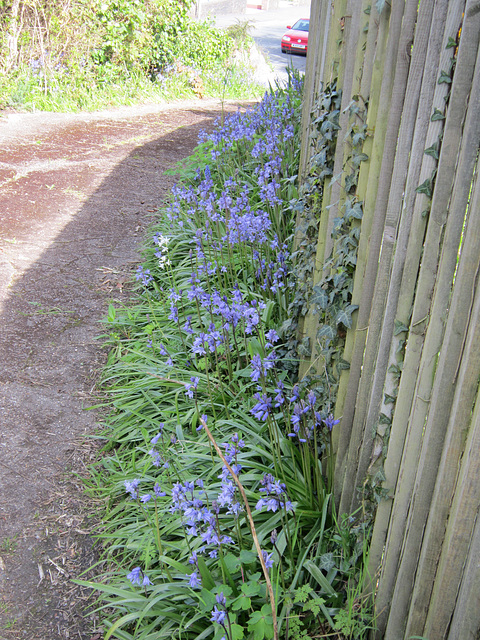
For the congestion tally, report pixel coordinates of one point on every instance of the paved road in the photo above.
(267, 28)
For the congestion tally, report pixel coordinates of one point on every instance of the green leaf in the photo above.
(432, 151)
(326, 331)
(380, 5)
(425, 187)
(251, 588)
(319, 577)
(320, 296)
(232, 563)
(242, 602)
(207, 579)
(399, 328)
(437, 115)
(111, 313)
(444, 78)
(261, 623)
(451, 43)
(247, 557)
(236, 632)
(206, 600)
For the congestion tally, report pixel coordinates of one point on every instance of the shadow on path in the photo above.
(74, 203)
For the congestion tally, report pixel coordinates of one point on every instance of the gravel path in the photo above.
(76, 194)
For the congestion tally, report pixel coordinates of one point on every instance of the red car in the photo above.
(295, 40)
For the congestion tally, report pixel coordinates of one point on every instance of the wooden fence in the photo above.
(404, 159)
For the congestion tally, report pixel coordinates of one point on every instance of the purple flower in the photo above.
(268, 559)
(134, 575)
(156, 438)
(143, 275)
(158, 491)
(194, 580)
(263, 407)
(218, 615)
(330, 422)
(146, 581)
(131, 487)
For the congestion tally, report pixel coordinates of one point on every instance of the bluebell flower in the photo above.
(194, 580)
(156, 438)
(143, 275)
(330, 422)
(268, 559)
(263, 407)
(158, 490)
(135, 575)
(131, 487)
(218, 615)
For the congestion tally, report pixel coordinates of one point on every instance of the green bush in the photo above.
(90, 53)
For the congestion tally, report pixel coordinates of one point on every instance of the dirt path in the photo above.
(76, 192)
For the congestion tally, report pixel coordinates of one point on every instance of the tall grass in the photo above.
(217, 472)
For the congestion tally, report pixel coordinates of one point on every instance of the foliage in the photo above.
(331, 296)
(68, 55)
(216, 474)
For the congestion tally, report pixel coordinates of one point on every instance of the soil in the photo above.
(77, 192)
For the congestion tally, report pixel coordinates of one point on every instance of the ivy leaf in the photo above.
(451, 43)
(320, 297)
(350, 181)
(426, 188)
(399, 328)
(344, 316)
(358, 158)
(437, 115)
(444, 78)
(343, 365)
(326, 562)
(432, 151)
(353, 212)
(383, 419)
(358, 137)
(326, 331)
(304, 348)
(380, 4)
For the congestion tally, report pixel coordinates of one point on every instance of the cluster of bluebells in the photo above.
(305, 418)
(200, 517)
(239, 262)
(139, 577)
(275, 497)
(230, 217)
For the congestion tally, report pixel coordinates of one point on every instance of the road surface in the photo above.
(267, 28)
